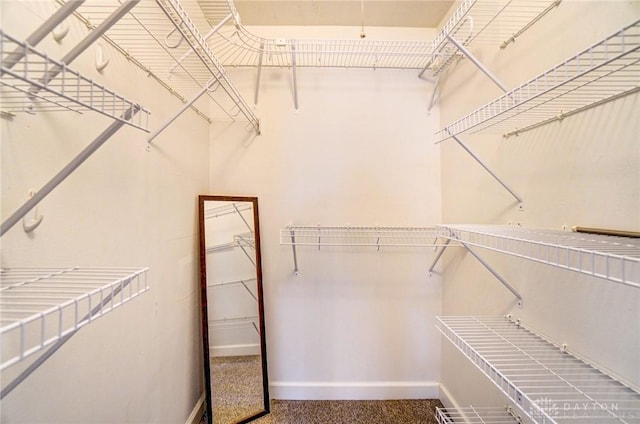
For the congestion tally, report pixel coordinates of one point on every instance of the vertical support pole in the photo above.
(47, 26)
(484, 165)
(293, 248)
(67, 170)
(255, 100)
(476, 62)
(438, 256)
(295, 82)
(436, 85)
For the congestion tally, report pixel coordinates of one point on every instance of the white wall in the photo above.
(584, 171)
(125, 206)
(355, 323)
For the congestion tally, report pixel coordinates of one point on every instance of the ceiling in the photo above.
(390, 13)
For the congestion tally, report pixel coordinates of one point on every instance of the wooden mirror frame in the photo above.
(204, 311)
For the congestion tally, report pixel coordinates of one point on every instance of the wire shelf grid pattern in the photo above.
(613, 258)
(548, 384)
(235, 45)
(300, 235)
(164, 39)
(605, 70)
(497, 22)
(475, 415)
(38, 307)
(27, 87)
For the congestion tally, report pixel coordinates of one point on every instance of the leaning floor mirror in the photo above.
(235, 361)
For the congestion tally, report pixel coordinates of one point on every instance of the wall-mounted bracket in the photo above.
(486, 167)
(295, 80)
(476, 62)
(293, 249)
(438, 256)
(495, 274)
(67, 170)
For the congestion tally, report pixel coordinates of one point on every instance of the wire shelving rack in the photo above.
(545, 382)
(604, 71)
(481, 20)
(41, 306)
(613, 258)
(321, 236)
(27, 87)
(164, 38)
(476, 415)
(493, 22)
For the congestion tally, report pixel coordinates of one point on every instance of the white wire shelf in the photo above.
(546, 383)
(483, 20)
(235, 45)
(613, 258)
(164, 38)
(319, 236)
(27, 88)
(227, 209)
(603, 71)
(496, 22)
(476, 415)
(39, 307)
(239, 240)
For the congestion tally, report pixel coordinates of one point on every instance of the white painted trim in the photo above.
(447, 399)
(235, 350)
(196, 413)
(379, 390)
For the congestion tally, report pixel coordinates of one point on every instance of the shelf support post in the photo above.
(255, 100)
(494, 272)
(67, 170)
(476, 62)
(184, 107)
(295, 82)
(486, 167)
(241, 217)
(293, 248)
(47, 26)
(438, 256)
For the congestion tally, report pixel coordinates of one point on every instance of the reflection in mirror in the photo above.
(232, 309)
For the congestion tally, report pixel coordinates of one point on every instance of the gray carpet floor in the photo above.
(237, 392)
(406, 411)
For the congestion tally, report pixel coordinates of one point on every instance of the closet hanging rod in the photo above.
(319, 236)
(599, 73)
(183, 23)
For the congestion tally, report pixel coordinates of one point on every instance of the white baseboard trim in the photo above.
(354, 390)
(447, 399)
(235, 350)
(196, 412)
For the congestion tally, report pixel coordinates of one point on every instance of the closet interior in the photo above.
(192, 52)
